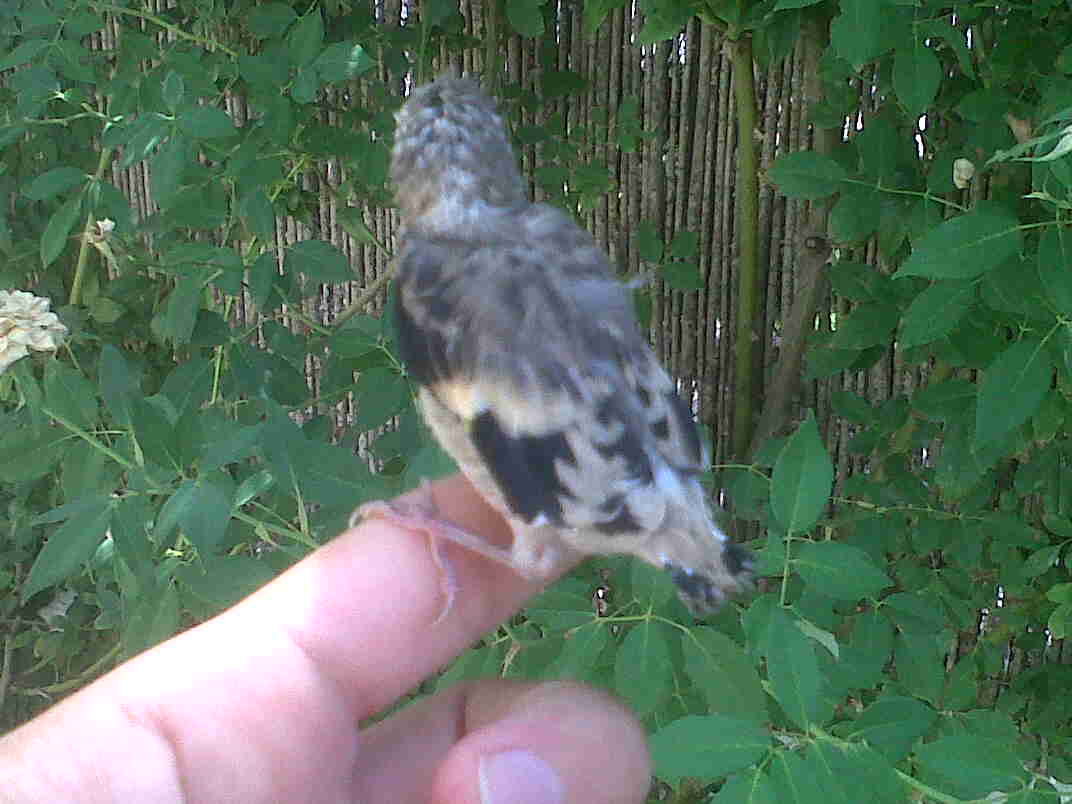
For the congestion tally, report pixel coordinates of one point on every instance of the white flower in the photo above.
(26, 323)
(963, 171)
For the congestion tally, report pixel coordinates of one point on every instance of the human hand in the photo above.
(262, 703)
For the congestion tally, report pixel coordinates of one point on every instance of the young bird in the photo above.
(533, 373)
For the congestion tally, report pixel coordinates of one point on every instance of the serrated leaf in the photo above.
(205, 123)
(725, 675)
(256, 211)
(966, 246)
(970, 767)
(807, 174)
(916, 76)
(343, 61)
(684, 244)
(173, 89)
(69, 396)
(1055, 268)
(526, 17)
(893, 724)
(70, 546)
(750, 786)
(154, 618)
(58, 229)
(306, 38)
(868, 325)
(793, 672)
(53, 182)
(840, 571)
(1012, 390)
(856, 33)
(201, 508)
(225, 580)
(175, 322)
(643, 671)
(935, 312)
(706, 747)
(803, 475)
(380, 393)
(269, 19)
(945, 400)
(319, 260)
(582, 649)
(683, 276)
(25, 52)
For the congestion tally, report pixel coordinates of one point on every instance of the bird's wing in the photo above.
(536, 350)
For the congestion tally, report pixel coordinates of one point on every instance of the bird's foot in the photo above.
(420, 514)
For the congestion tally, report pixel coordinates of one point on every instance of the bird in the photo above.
(532, 370)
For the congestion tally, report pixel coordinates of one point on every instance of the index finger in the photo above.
(363, 607)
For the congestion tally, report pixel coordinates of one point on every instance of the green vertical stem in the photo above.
(748, 270)
(81, 266)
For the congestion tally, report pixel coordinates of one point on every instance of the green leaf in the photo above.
(1055, 268)
(256, 211)
(856, 33)
(380, 393)
(840, 571)
(526, 17)
(225, 580)
(835, 773)
(205, 123)
(202, 508)
(893, 724)
(70, 396)
(966, 246)
(53, 182)
(916, 76)
(750, 786)
(935, 312)
(643, 671)
(793, 672)
(155, 435)
(343, 61)
(706, 747)
(54, 238)
(173, 90)
(72, 60)
(319, 260)
(725, 674)
(153, 618)
(25, 52)
(306, 38)
(176, 321)
(1012, 390)
(807, 174)
(581, 652)
(918, 657)
(664, 22)
(435, 12)
(682, 275)
(270, 19)
(970, 767)
(70, 546)
(803, 474)
(684, 244)
(867, 325)
(945, 400)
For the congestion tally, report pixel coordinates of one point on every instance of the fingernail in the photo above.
(518, 777)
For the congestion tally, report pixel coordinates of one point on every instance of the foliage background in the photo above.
(229, 391)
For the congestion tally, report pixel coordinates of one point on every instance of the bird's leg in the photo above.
(420, 514)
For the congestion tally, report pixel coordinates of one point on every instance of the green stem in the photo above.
(81, 266)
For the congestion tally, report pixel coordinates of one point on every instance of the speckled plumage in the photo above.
(534, 375)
